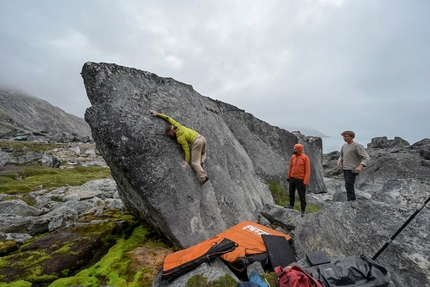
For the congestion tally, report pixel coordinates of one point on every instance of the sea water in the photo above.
(335, 143)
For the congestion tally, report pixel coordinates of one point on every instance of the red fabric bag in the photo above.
(294, 276)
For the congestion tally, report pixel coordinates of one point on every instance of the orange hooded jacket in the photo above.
(300, 165)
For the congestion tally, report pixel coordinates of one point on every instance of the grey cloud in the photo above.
(326, 65)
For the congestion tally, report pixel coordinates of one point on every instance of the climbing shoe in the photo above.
(204, 180)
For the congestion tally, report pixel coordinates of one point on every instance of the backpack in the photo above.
(294, 276)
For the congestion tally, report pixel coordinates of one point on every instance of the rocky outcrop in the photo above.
(243, 153)
(21, 114)
(30, 157)
(364, 226)
(54, 209)
(71, 154)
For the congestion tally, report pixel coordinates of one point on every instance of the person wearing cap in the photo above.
(185, 136)
(298, 177)
(353, 157)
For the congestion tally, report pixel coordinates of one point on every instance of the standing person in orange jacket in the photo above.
(298, 177)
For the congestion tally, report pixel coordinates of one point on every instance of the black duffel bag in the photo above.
(351, 271)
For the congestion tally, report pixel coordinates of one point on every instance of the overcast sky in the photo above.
(328, 65)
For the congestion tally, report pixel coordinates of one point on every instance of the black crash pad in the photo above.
(317, 258)
(279, 250)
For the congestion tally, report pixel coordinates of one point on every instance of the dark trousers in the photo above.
(301, 190)
(349, 177)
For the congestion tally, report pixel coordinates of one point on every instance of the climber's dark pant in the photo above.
(349, 176)
(301, 190)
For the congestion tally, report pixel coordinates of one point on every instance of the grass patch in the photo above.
(33, 177)
(22, 147)
(282, 198)
(57, 198)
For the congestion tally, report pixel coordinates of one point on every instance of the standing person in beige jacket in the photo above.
(353, 157)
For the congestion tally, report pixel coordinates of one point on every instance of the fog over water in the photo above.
(335, 143)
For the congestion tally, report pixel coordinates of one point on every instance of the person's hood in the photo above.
(299, 148)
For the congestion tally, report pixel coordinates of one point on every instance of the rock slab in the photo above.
(244, 153)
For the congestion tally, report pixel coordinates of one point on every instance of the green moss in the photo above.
(7, 247)
(20, 283)
(44, 278)
(115, 268)
(197, 280)
(30, 200)
(65, 249)
(11, 197)
(32, 265)
(271, 278)
(26, 266)
(202, 281)
(57, 198)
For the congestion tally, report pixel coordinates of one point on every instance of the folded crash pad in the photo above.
(183, 261)
(250, 244)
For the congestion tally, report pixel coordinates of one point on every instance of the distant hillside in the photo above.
(305, 131)
(30, 114)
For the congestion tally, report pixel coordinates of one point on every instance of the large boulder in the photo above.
(392, 160)
(244, 153)
(364, 226)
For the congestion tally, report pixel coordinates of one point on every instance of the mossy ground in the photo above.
(202, 281)
(48, 257)
(131, 262)
(16, 179)
(51, 260)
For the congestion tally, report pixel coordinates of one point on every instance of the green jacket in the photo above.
(184, 135)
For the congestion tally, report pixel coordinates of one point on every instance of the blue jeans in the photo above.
(349, 176)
